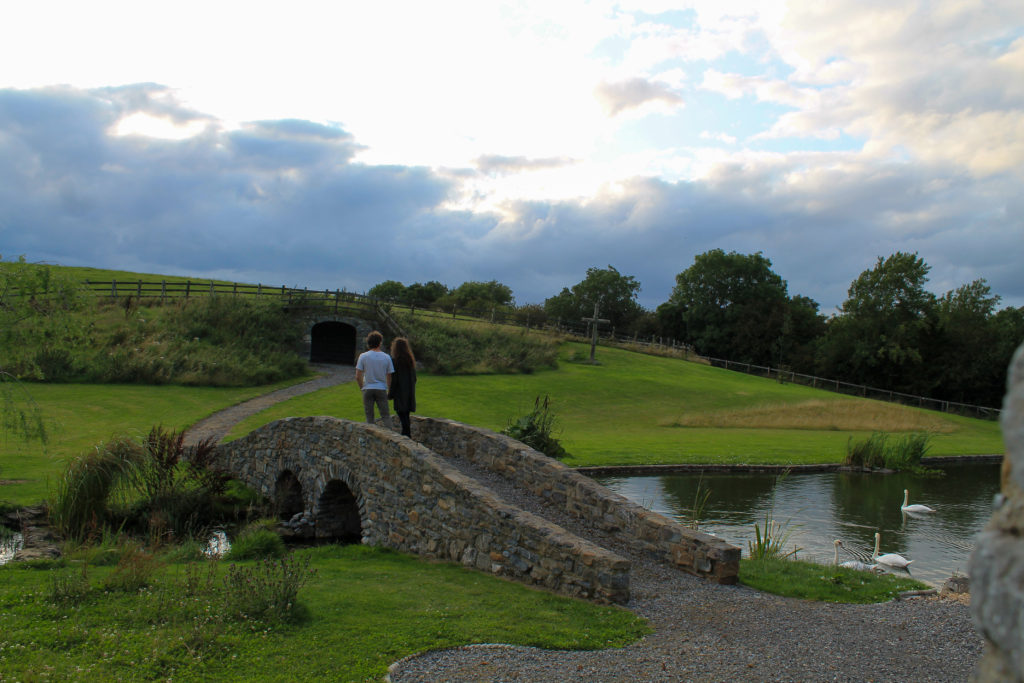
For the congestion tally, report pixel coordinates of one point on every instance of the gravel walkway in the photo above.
(702, 631)
(707, 632)
(219, 424)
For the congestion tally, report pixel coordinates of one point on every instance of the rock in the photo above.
(956, 584)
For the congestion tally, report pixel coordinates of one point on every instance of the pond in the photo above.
(817, 508)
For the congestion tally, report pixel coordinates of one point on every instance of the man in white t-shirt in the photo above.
(373, 375)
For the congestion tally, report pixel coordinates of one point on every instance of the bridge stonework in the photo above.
(405, 494)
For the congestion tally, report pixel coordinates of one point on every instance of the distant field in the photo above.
(640, 409)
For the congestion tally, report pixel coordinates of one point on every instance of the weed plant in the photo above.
(536, 430)
(267, 589)
(770, 541)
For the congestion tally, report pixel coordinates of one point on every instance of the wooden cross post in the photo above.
(595, 321)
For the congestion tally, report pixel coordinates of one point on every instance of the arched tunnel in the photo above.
(332, 341)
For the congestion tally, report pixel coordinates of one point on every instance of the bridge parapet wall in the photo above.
(411, 500)
(654, 534)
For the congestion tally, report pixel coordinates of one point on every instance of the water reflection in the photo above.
(9, 546)
(819, 508)
(218, 545)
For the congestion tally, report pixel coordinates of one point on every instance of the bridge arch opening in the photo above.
(338, 514)
(287, 496)
(332, 341)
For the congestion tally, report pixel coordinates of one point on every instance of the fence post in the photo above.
(138, 291)
(188, 288)
(113, 288)
(163, 291)
(211, 288)
(259, 289)
(234, 289)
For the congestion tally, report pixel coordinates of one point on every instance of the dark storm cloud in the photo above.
(284, 203)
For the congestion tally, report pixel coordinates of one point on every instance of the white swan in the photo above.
(852, 564)
(915, 507)
(889, 559)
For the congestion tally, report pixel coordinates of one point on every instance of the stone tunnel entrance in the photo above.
(337, 515)
(333, 342)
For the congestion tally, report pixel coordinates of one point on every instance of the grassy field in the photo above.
(363, 609)
(79, 416)
(638, 409)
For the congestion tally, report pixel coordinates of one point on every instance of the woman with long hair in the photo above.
(403, 382)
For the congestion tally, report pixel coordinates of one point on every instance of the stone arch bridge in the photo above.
(435, 495)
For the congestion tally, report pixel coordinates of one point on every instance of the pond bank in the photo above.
(688, 468)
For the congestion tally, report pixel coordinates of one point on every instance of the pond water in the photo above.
(817, 508)
(9, 545)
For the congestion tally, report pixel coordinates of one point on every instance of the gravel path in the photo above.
(219, 424)
(702, 631)
(707, 632)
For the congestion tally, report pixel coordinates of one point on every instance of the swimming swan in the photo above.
(852, 564)
(915, 507)
(889, 559)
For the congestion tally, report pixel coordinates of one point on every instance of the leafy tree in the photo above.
(734, 306)
(480, 296)
(389, 290)
(425, 294)
(966, 363)
(615, 292)
(883, 333)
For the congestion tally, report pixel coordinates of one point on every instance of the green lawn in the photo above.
(79, 416)
(621, 411)
(363, 609)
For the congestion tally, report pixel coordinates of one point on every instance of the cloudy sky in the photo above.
(336, 145)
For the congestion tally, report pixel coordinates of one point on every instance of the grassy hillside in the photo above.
(639, 409)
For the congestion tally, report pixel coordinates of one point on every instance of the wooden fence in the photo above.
(340, 300)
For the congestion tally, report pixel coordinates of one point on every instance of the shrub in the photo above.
(536, 430)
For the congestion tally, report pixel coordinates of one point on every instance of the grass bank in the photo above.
(363, 609)
(636, 409)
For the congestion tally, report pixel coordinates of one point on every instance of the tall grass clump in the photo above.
(536, 430)
(82, 501)
(770, 540)
(156, 486)
(869, 452)
(464, 348)
(877, 451)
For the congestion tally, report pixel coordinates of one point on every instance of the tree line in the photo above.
(889, 333)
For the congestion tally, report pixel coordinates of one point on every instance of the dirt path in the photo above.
(220, 423)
